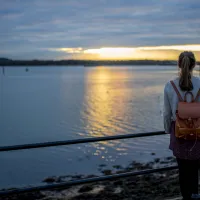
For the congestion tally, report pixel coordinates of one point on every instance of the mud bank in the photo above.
(157, 186)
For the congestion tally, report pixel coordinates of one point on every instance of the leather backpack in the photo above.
(187, 124)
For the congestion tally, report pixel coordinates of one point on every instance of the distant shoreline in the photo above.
(85, 63)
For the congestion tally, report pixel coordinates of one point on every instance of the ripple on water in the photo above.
(101, 101)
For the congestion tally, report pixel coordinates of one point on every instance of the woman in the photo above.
(185, 151)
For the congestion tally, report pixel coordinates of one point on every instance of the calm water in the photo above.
(59, 103)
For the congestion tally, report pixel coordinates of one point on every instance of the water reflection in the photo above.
(107, 93)
(54, 103)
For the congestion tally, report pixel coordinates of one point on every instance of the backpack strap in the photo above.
(198, 94)
(177, 92)
(185, 97)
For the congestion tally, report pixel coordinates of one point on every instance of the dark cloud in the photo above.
(29, 27)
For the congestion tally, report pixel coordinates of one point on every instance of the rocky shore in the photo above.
(157, 186)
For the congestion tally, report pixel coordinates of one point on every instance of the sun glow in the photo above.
(174, 47)
(112, 53)
(133, 53)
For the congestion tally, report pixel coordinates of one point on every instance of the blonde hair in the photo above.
(186, 63)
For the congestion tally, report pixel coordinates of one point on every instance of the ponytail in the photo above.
(186, 63)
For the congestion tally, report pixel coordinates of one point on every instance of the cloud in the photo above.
(68, 50)
(44, 24)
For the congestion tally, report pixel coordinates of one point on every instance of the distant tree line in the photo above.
(9, 62)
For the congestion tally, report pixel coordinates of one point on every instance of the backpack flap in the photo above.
(189, 110)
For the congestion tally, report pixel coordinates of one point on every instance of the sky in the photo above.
(99, 29)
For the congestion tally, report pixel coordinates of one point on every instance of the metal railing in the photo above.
(64, 185)
(77, 141)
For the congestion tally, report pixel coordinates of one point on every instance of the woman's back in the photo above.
(172, 98)
(186, 151)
